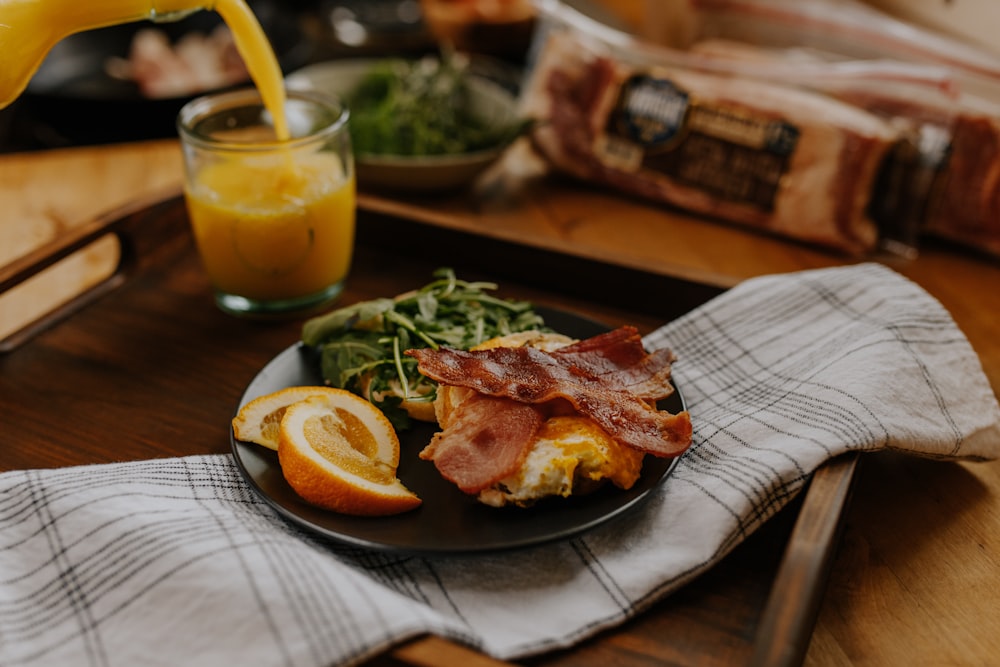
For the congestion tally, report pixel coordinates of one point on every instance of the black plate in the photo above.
(448, 521)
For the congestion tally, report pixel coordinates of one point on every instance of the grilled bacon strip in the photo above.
(487, 440)
(620, 360)
(593, 376)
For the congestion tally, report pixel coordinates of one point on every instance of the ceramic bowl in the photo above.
(490, 102)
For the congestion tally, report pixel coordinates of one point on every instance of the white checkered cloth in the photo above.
(177, 562)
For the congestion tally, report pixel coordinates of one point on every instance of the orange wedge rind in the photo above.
(339, 452)
(259, 420)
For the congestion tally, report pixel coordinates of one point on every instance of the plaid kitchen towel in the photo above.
(176, 561)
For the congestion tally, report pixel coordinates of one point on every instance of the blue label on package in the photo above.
(651, 111)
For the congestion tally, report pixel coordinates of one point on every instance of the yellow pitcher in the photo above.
(30, 28)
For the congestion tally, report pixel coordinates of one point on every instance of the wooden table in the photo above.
(896, 592)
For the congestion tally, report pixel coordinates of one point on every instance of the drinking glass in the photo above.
(273, 219)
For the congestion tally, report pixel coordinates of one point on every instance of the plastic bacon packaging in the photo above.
(836, 139)
(942, 92)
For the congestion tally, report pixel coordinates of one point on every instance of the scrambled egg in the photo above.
(571, 454)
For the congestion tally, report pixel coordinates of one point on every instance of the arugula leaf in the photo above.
(320, 328)
(361, 346)
(421, 107)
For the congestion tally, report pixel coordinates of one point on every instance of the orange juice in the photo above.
(266, 232)
(259, 58)
(273, 216)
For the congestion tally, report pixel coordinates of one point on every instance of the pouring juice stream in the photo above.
(276, 228)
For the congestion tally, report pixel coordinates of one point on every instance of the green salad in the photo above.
(421, 108)
(361, 346)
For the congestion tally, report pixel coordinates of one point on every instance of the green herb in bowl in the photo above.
(421, 108)
(426, 125)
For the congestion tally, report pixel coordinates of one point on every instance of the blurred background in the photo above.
(83, 93)
(124, 83)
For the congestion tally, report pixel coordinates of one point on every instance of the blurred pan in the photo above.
(72, 100)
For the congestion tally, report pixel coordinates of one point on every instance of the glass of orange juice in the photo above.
(272, 212)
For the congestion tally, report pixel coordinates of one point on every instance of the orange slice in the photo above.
(259, 419)
(339, 452)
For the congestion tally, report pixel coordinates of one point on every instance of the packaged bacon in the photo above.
(777, 158)
(943, 93)
(948, 182)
